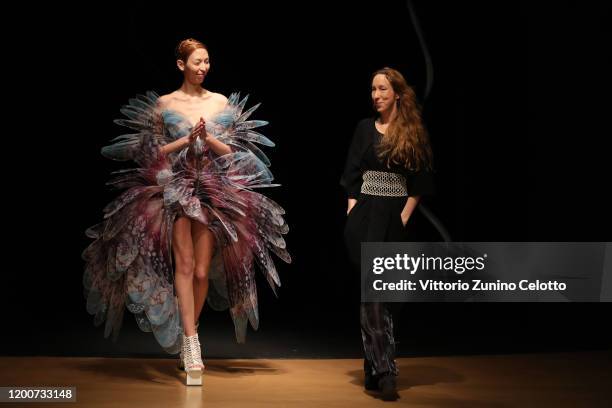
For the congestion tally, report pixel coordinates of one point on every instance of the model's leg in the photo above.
(204, 245)
(182, 247)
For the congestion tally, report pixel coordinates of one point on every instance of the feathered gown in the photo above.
(129, 264)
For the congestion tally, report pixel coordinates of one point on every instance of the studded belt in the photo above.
(382, 183)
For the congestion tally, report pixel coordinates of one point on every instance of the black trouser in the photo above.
(375, 219)
(378, 340)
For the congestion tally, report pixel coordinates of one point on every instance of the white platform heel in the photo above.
(192, 360)
(181, 365)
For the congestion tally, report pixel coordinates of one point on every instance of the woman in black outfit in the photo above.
(388, 169)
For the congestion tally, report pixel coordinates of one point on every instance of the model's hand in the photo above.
(200, 130)
(197, 130)
(208, 138)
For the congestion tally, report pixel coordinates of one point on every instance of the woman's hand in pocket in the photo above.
(404, 219)
(351, 204)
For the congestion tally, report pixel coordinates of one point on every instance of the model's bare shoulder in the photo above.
(166, 100)
(220, 98)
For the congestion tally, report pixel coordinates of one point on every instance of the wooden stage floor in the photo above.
(576, 379)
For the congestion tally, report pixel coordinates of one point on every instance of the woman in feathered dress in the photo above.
(188, 215)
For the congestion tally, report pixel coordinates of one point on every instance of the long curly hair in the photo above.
(405, 142)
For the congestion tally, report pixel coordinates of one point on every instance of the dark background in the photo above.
(518, 117)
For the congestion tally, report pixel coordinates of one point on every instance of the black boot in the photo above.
(388, 388)
(371, 380)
